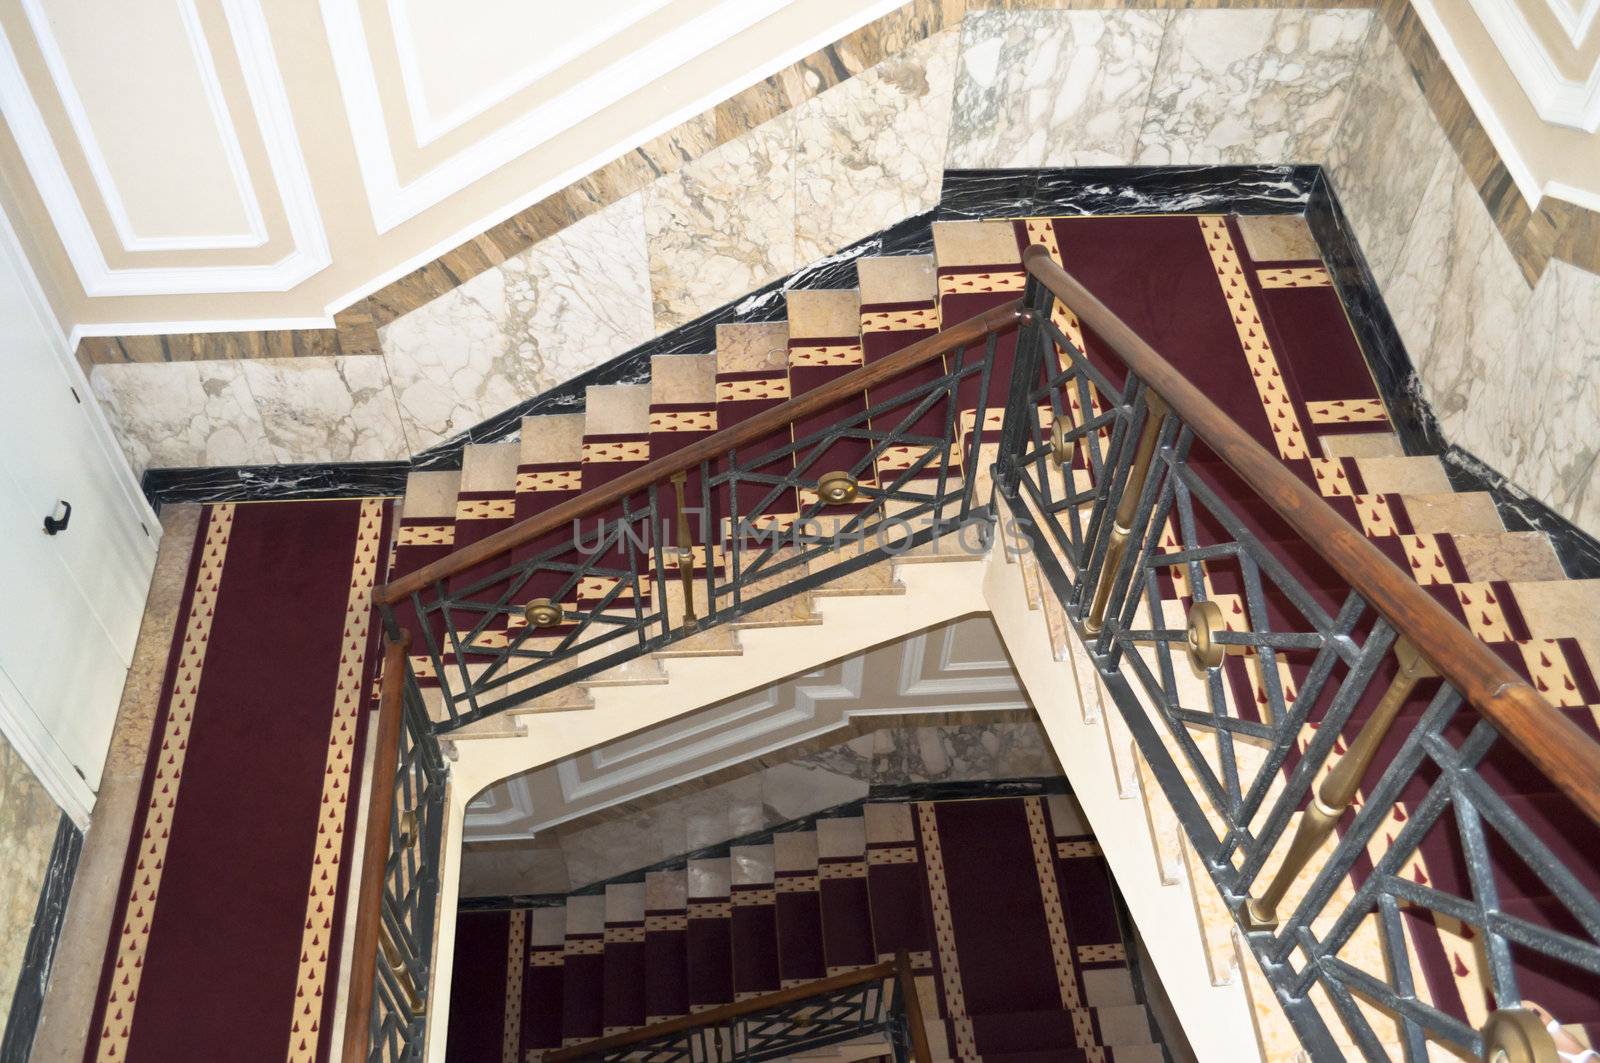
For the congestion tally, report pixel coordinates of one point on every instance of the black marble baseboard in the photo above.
(28, 1002)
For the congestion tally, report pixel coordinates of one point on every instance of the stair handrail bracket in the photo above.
(867, 465)
(1140, 498)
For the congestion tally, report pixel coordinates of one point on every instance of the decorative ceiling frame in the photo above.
(1556, 97)
(394, 201)
(61, 76)
(931, 674)
(269, 100)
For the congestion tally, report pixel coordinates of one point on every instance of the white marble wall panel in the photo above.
(183, 414)
(1242, 86)
(723, 224)
(1458, 299)
(327, 408)
(1384, 153)
(870, 151)
(1535, 413)
(1053, 88)
(566, 304)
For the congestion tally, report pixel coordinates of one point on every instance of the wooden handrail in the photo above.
(375, 851)
(717, 445)
(898, 968)
(1569, 757)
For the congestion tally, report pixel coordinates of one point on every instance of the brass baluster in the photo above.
(685, 550)
(1122, 526)
(1339, 787)
(1519, 1035)
(395, 960)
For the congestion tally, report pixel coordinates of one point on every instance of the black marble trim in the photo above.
(1109, 190)
(917, 791)
(28, 1003)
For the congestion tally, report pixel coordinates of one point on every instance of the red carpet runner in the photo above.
(227, 934)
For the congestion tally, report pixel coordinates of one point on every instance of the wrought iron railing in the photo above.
(860, 468)
(877, 1004)
(398, 893)
(1315, 740)
(1311, 789)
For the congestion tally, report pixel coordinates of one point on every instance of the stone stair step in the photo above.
(1400, 475)
(896, 279)
(1124, 1024)
(616, 409)
(752, 347)
(1513, 556)
(490, 466)
(1555, 609)
(1362, 445)
(551, 438)
(683, 378)
(975, 243)
(824, 313)
(431, 493)
(1461, 513)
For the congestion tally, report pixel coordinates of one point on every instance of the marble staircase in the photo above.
(1507, 586)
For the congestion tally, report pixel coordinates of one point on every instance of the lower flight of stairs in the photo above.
(1004, 904)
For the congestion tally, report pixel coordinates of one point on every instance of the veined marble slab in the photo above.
(723, 224)
(870, 151)
(183, 414)
(1053, 88)
(567, 304)
(1387, 130)
(324, 409)
(1257, 85)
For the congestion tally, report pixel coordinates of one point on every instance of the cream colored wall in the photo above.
(362, 257)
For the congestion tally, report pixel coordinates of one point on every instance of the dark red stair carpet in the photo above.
(1014, 901)
(225, 942)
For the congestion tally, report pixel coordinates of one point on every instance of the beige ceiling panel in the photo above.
(140, 88)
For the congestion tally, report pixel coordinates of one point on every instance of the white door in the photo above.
(72, 602)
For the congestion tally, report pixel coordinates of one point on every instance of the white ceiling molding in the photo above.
(355, 81)
(269, 99)
(1576, 19)
(1558, 99)
(778, 709)
(393, 202)
(255, 234)
(947, 677)
(607, 24)
(1532, 189)
(755, 725)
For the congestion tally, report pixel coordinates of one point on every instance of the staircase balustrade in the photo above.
(1132, 489)
(1148, 461)
(874, 1002)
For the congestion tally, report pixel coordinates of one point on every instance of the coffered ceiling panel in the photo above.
(457, 61)
(159, 137)
(112, 66)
